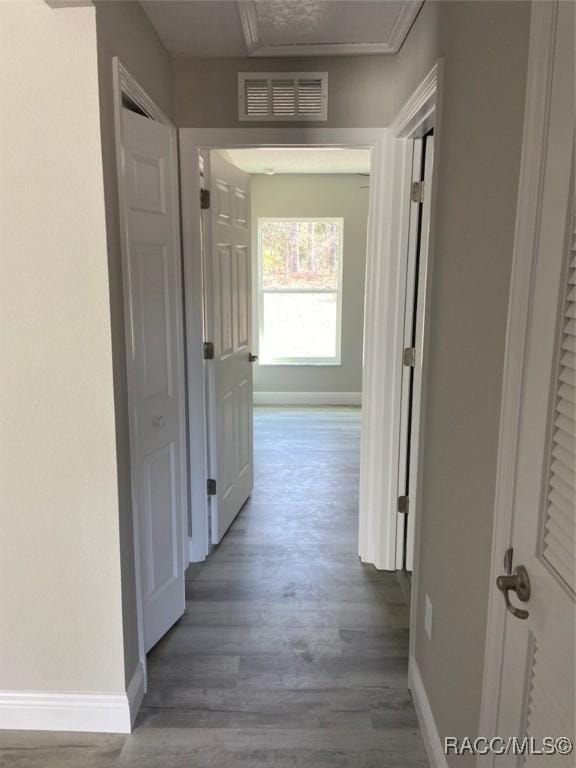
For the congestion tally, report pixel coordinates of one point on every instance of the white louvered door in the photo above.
(537, 691)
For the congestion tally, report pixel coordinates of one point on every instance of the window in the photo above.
(300, 290)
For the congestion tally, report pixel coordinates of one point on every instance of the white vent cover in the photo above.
(298, 96)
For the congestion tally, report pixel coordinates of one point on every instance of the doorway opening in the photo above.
(284, 245)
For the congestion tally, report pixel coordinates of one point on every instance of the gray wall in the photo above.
(123, 30)
(320, 195)
(360, 89)
(484, 45)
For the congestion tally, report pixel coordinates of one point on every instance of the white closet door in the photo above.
(154, 293)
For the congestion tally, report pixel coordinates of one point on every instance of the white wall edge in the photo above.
(307, 398)
(428, 728)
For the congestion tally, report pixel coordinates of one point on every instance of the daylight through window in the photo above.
(300, 285)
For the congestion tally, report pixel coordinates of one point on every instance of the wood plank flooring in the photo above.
(291, 653)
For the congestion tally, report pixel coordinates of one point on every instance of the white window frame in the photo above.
(302, 361)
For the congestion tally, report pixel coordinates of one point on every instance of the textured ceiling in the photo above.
(298, 22)
(231, 28)
(300, 160)
(197, 27)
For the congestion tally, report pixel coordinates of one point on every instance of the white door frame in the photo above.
(532, 167)
(384, 329)
(193, 141)
(124, 84)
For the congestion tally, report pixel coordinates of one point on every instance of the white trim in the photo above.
(265, 138)
(255, 47)
(538, 90)
(416, 112)
(249, 22)
(384, 323)
(88, 712)
(336, 360)
(307, 398)
(428, 727)
(60, 711)
(126, 84)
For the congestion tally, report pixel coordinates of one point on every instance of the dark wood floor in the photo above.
(291, 653)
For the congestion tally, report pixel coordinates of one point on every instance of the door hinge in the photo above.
(204, 199)
(208, 350)
(417, 192)
(409, 357)
(211, 487)
(403, 503)
(508, 558)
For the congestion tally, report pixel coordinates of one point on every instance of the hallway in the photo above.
(291, 653)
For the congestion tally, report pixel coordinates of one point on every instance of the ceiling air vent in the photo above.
(265, 96)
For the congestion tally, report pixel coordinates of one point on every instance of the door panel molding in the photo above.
(134, 187)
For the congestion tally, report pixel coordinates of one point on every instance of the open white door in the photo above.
(418, 336)
(416, 273)
(153, 293)
(537, 684)
(229, 327)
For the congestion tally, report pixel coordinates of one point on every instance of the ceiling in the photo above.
(300, 160)
(231, 28)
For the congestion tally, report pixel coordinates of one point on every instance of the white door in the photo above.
(537, 686)
(155, 360)
(418, 241)
(229, 328)
(418, 346)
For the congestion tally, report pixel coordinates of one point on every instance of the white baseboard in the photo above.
(430, 735)
(87, 712)
(307, 398)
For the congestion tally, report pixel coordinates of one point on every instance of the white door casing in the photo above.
(153, 290)
(530, 674)
(228, 298)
